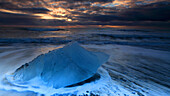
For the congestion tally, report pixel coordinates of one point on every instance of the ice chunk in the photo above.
(61, 67)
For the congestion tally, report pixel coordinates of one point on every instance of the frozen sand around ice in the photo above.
(132, 71)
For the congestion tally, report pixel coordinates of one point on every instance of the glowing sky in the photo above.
(85, 12)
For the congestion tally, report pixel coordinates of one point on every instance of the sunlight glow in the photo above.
(12, 11)
(48, 16)
(69, 20)
(58, 11)
(115, 3)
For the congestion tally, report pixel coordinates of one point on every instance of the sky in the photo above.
(85, 12)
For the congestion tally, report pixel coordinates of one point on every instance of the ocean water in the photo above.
(139, 63)
(133, 37)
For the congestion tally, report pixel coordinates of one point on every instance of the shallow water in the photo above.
(134, 37)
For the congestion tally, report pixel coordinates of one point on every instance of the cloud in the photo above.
(33, 10)
(16, 19)
(83, 12)
(87, 0)
(153, 12)
(7, 5)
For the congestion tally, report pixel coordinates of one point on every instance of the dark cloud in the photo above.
(33, 10)
(152, 12)
(16, 19)
(7, 5)
(86, 0)
(22, 19)
(84, 12)
(12, 6)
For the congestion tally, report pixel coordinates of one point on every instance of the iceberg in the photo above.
(61, 67)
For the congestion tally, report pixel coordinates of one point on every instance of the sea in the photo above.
(139, 63)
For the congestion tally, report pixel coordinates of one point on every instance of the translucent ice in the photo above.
(61, 67)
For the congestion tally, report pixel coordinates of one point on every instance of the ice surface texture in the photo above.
(61, 67)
